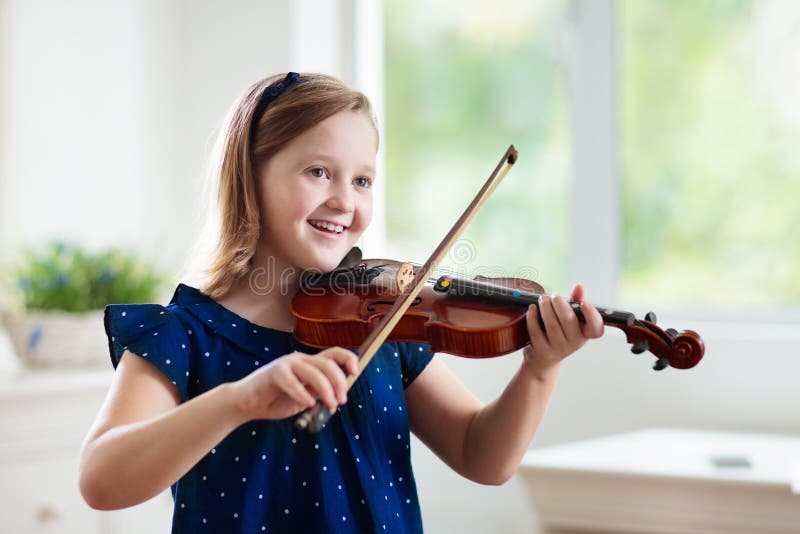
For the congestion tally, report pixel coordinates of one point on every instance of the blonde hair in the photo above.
(235, 230)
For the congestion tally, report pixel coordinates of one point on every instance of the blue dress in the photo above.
(353, 476)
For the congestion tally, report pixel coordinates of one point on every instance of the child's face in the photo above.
(321, 178)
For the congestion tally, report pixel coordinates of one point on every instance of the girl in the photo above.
(206, 388)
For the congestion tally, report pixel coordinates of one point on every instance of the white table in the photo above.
(668, 481)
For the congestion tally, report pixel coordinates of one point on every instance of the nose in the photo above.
(341, 198)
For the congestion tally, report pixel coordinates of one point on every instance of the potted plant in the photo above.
(61, 290)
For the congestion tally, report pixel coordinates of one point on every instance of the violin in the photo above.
(473, 318)
(365, 303)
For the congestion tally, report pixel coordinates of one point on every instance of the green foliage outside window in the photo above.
(459, 89)
(710, 137)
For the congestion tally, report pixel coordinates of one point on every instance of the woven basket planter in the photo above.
(56, 338)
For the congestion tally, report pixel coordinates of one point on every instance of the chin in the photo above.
(323, 265)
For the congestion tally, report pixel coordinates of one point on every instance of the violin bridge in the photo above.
(405, 274)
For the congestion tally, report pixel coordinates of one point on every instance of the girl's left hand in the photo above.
(560, 333)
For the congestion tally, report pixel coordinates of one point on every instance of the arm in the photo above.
(486, 443)
(143, 440)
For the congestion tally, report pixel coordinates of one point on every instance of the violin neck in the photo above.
(487, 291)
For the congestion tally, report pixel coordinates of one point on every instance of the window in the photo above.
(459, 90)
(706, 129)
(710, 126)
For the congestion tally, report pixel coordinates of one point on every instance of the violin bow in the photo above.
(315, 418)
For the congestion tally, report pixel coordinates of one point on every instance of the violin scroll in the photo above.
(681, 350)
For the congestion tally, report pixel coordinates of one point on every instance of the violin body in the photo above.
(480, 318)
(328, 316)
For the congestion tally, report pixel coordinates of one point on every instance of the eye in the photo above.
(318, 172)
(363, 181)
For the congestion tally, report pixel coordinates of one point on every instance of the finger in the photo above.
(535, 330)
(291, 385)
(334, 374)
(316, 381)
(578, 293)
(570, 325)
(552, 326)
(593, 325)
(343, 357)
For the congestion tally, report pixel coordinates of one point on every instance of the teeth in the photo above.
(338, 228)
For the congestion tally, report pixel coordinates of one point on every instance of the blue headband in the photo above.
(270, 93)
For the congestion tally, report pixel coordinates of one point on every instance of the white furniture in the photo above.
(44, 416)
(668, 481)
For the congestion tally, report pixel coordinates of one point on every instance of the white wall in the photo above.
(108, 108)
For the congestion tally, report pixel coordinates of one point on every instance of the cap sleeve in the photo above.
(153, 332)
(414, 357)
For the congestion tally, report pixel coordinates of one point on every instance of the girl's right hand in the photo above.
(294, 382)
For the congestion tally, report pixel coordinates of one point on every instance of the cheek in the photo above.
(365, 213)
(280, 209)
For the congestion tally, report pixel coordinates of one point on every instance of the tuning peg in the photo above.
(640, 346)
(671, 332)
(661, 363)
(651, 316)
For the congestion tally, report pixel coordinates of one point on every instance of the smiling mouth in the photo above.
(329, 227)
